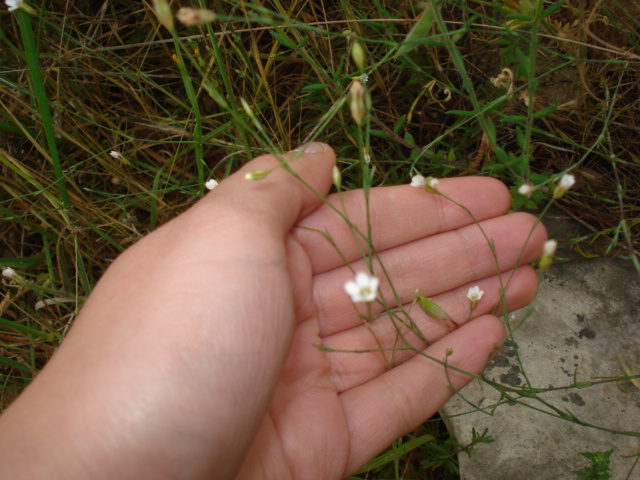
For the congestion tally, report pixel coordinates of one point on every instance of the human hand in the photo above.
(196, 355)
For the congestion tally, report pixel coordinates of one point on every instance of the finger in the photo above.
(382, 410)
(392, 334)
(431, 266)
(397, 215)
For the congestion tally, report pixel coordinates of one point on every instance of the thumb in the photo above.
(291, 188)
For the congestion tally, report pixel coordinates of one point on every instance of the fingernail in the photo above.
(315, 147)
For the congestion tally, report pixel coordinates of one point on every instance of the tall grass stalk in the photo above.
(33, 64)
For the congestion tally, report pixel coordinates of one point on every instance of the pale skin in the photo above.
(196, 355)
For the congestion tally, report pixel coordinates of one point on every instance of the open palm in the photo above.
(223, 345)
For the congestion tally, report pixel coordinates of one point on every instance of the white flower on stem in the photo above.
(211, 184)
(115, 154)
(418, 181)
(549, 249)
(8, 272)
(430, 184)
(526, 189)
(475, 294)
(363, 289)
(566, 182)
(13, 5)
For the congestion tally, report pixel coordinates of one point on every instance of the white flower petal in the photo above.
(8, 272)
(418, 181)
(549, 249)
(13, 4)
(526, 189)
(475, 294)
(567, 181)
(363, 289)
(432, 182)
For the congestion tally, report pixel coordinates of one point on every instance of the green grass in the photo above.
(77, 84)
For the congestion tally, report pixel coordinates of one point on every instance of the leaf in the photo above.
(314, 87)
(26, 330)
(520, 137)
(495, 167)
(545, 111)
(462, 113)
(420, 30)
(552, 9)
(514, 119)
(23, 263)
(283, 39)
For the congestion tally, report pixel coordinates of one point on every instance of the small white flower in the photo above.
(432, 182)
(567, 181)
(14, 5)
(115, 154)
(418, 181)
(526, 189)
(364, 289)
(211, 184)
(8, 272)
(549, 249)
(475, 294)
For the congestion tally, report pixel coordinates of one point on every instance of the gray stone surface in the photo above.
(584, 319)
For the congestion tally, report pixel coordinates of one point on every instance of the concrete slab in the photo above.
(584, 319)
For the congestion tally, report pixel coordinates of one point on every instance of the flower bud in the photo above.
(526, 189)
(357, 53)
(431, 185)
(195, 17)
(432, 309)
(356, 103)
(257, 175)
(164, 14)
(337, 177)
(247, 108)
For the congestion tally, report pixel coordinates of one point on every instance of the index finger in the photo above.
(397, 215)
